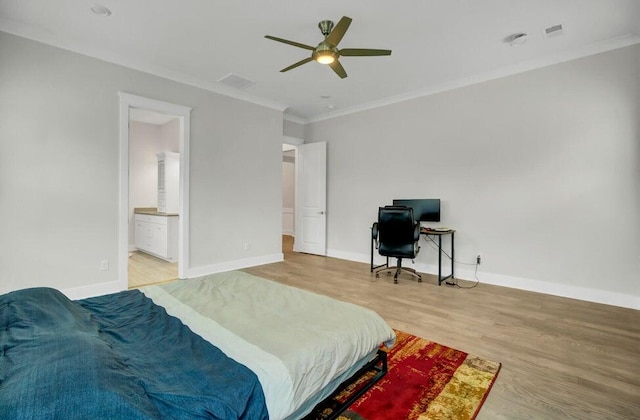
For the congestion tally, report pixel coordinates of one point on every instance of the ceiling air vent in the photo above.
(236, 81)
(553, 31)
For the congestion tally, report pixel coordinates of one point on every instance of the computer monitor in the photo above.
(424, 210)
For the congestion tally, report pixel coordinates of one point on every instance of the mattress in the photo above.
(296, 342)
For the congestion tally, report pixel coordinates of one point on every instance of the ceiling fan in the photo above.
(327, 51)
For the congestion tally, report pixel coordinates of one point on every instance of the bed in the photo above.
(226, 346)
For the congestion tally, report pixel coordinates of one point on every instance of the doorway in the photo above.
(288, 196)
(180, 117)
(304, 188)
(153, 228)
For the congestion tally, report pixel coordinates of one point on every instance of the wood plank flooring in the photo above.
(561, 358)
(146, 269)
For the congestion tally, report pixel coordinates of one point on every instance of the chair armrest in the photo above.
(374, 233)
(416, 238)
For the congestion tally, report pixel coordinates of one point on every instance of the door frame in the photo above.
(183, 113)
(287, 145)
(295, 142)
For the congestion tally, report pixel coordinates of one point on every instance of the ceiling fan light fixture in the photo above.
(324, 54)
(327, 51)
(325, 58)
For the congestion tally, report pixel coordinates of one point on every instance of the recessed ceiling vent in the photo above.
(236, 81)
(553, 31)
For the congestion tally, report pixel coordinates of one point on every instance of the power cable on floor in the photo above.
(433, 244)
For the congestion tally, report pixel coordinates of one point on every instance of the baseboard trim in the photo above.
(556, 289)
(234, 265)
(91, 290)
(106, 288)
(563, 290)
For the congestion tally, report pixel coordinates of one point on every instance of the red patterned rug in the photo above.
(426, 380)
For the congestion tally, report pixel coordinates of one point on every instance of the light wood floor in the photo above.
(146, 269)
(561, 358)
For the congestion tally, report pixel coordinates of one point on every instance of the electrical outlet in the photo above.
(104, 265)
(246, 246)
(479, 259)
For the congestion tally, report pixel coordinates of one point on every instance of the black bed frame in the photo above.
(330, 409)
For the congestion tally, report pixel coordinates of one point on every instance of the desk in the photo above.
(426, 232)
(440, 234)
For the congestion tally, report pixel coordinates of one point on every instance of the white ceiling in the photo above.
(437, 45)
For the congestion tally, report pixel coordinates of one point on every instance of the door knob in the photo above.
(321, 212)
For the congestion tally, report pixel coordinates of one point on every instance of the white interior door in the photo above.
(311, 198)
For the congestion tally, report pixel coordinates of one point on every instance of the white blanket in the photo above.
(295, 341)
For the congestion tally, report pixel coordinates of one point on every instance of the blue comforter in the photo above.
(116, 356)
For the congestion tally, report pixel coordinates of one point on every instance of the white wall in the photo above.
(145, 142)
(538, 171)
(59, 169)
(293, 129)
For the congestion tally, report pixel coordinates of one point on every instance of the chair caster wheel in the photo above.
(377, 275)
(419, 280)
(395, 281)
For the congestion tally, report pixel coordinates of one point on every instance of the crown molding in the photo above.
(45, 37)
(42, 36)
(593, 49)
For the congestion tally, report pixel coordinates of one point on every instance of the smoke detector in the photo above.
(100, 10)
(517, 40)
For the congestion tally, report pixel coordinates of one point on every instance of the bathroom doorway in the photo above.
(168, 242)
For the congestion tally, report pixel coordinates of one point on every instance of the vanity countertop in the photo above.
(152, 211)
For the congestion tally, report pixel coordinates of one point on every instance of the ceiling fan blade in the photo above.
(337, 67)
(354, 52)
(299, 63)
(338, 31)
(286, 41)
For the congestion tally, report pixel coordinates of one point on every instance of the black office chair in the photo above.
(396, 234)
